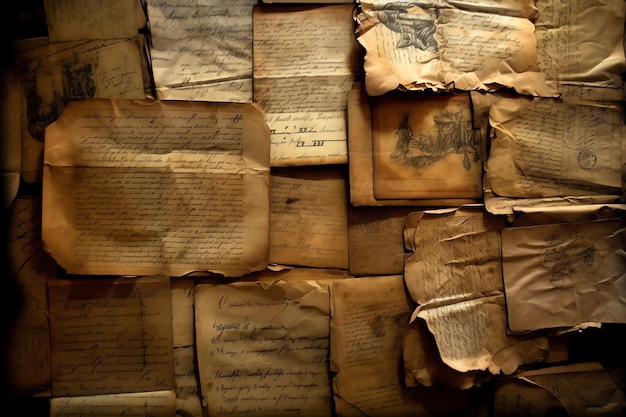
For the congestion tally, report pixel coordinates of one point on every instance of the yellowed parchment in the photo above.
(263, 348)
(309, 217)
(188, 399)
(305, 61)
(75, 20)
(55, 73)
(578, 390)
(553, 148)
(148, 187)
(202, 50)
(426, 147)
(361, 162)
(437, 47)
(455, 274)
(182, 292)
(108, 336)
(137, 404)
(565, 274)
(369, 316)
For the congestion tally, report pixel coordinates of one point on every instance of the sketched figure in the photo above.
(39, 113)
(78, 82)
(416, 30)
(405, 136)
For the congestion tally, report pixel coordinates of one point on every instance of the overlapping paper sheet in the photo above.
(110, 336)
(584, 389)
(455, 274)
(309, 217)
(305, 61)
(155, 404)
(580, 57)
(202, 50)
(565, 274)
(76, 20)
(564, 152)
(361, 159)
(369, 316)
(375, 240)
(53, 74)
(263, 348)
(449, 45)
(148, 187)
(30, 268)
(426, 147)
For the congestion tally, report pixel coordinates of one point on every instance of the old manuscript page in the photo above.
(53, 74)
(137, 404)
(361, 166)
(305, 61)
(202, 50)
(426, 147)
(369, 316)
(76, 20)
(309, 217)
(553, 148)
(461, 297)
(413, 48)
(589, 54)
(565, 274)
(148, 187)
(108, 336)
(263, 348)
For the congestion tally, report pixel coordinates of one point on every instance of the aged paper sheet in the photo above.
(302, 72)
(76, 20)
(137, 404)
(565, 274)
(28, 347)
(426, 147)
(263, 348)
(148, 187)
(455, 274)
(583, 389)
(369, 316)
(589, 54)
(202, 50)
(361, 166)
(53, 74)
(309, 217)
(108, 336)
(182, 293)
(553, 148)
(375, 243)
(436, 47)
(188, 399)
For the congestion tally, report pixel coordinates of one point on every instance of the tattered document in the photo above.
(369, 316)
(54, 74)
(426, 147)
(76, 20)
(110, 336)
(565, 274)
(30, 268)
(361, 166)
(305, 61)
(148, 187)
(584, 389)
(554, 148)
(580, 47)
(455, 274)
(263, 348)
(309, 217)
(137, 404)
(484, 47)
(202, 50)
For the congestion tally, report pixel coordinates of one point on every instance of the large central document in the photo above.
(145, 187)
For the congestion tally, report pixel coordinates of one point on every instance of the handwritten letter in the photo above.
(263, 349)
(108, 336)
(305, 62)
(147, 187)
(139, 404)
